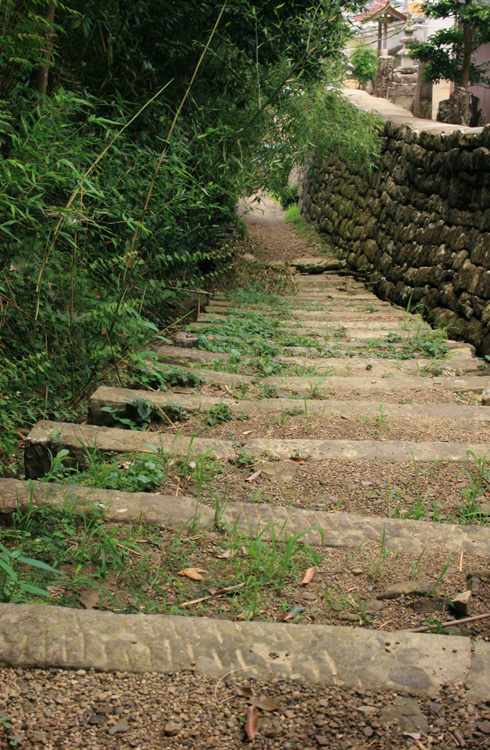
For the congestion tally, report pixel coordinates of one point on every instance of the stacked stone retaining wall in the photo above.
(418, 225)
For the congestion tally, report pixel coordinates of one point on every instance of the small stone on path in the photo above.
(118, 728)
(172, 728)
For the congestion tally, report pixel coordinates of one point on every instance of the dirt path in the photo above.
(321, 488)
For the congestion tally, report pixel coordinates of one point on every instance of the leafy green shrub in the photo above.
(365, 62)
(289, 196)
(293, 214)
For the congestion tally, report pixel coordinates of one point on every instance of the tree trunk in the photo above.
(42, 80)
(467, 51)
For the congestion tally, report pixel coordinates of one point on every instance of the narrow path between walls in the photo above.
(320, 492)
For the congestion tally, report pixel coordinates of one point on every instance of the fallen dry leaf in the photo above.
(193, 573)
(90, 598)
(266, 704)
(55, 591)
(296, 460)
(251, 724)
(261, 701)
(228, 553)
(308, 576)
(254, 475)
(245, 692)
(225, 589)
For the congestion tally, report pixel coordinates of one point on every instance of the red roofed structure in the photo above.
(384, 14)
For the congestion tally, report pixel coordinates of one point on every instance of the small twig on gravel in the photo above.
(426, 628)
(128, 549)
(420, 745)
(239, 669)
(383, 624)
(461, 561)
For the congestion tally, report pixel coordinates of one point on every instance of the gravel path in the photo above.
(59, 709)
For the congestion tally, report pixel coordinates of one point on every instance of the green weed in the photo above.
(219, 414)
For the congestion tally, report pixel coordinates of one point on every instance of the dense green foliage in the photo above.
(127, 132)
(365, 62)
(448, 53)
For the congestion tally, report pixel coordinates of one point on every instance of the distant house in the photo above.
(382, 26)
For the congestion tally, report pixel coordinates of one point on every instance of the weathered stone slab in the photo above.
(402, 384)
(386, 317)
(456, 361)
(46, 438)
(118, 398)
(279, 471)
(323, 529)
(478, 678)
(360, 328)
(165, 510)
(459, 359)
(367, 450)
(43, 636)
(317, 264)
(396, 383)
(181, 355)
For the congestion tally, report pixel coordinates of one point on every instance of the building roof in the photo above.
(380, 9)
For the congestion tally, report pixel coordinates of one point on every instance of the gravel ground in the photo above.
(437, 394)
(274, 238)
(341, 427)
(425, 491)
(58, 709)
(355, 588)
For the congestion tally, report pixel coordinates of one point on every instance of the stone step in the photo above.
(317, 264)
(47, 438)
(118, 399)
(339, 346)
(314, 299)
(43, 637)
(349, 296)
(382, 366)
(326, 281)
(456, 360)
(340, 302)
(475, 384)
(360, 331)
(324, 529)
(353, 322)
(311, 314)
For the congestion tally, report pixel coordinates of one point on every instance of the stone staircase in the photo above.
(361, 377)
